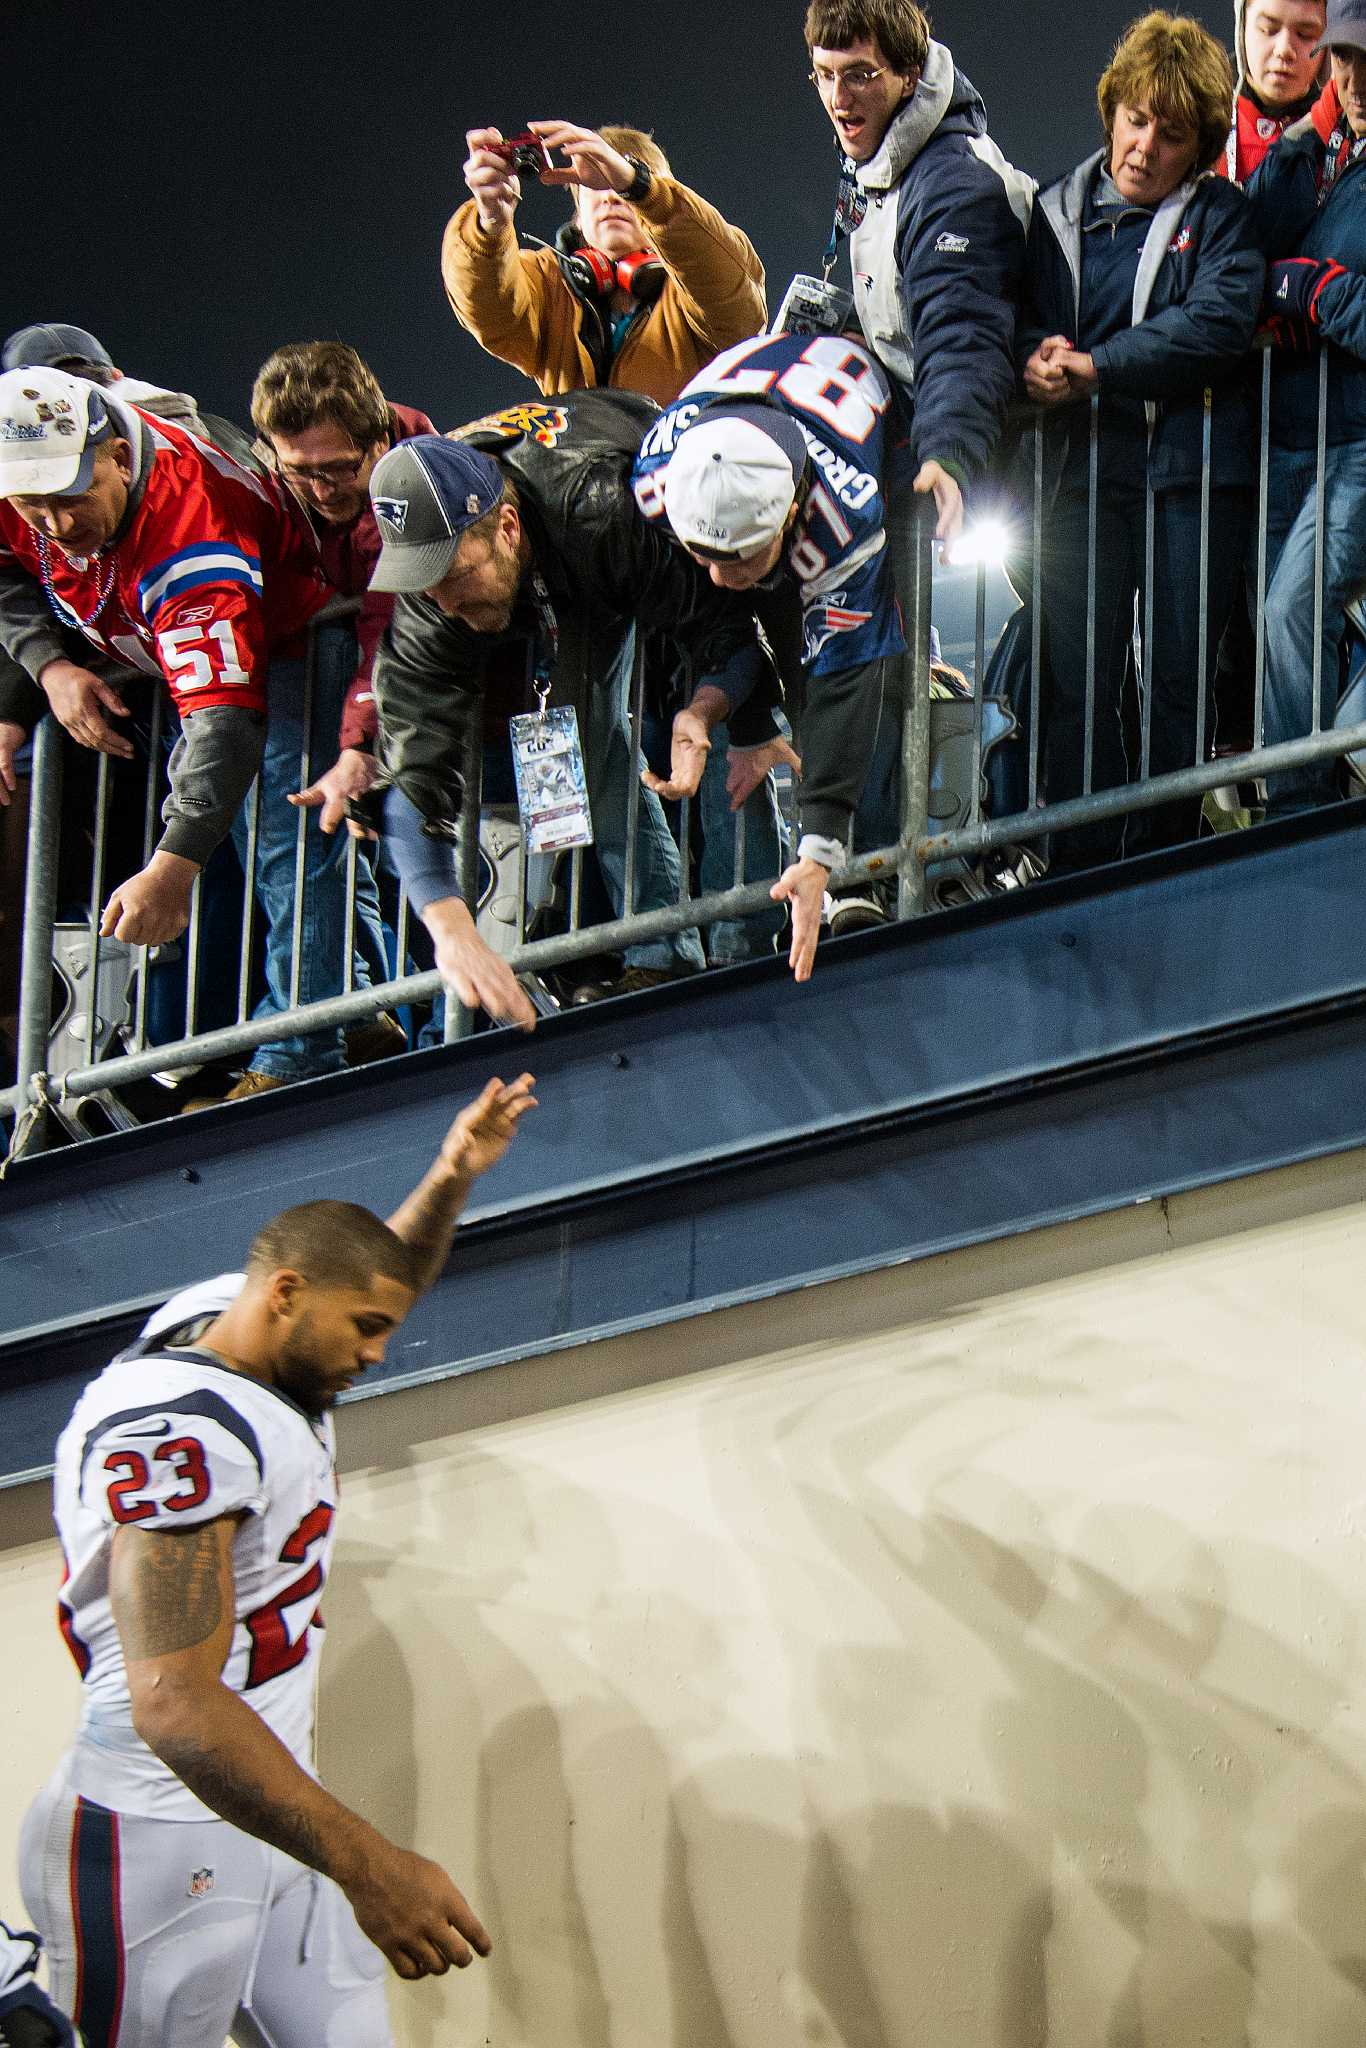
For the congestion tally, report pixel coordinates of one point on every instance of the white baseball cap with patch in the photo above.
(731, 481)
(51, 428)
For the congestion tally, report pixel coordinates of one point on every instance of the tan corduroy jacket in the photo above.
(517, 305)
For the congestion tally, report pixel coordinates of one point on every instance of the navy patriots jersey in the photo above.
(836, 550)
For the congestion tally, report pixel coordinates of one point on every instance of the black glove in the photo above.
(29, 2019)
(1290, 302)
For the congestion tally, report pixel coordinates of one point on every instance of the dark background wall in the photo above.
(198, 186)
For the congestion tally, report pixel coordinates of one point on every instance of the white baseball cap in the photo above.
(731, 482)
(51, 427)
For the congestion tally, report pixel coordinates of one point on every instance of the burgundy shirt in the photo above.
(349, 554)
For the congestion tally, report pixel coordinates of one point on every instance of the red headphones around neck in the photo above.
(641, 275)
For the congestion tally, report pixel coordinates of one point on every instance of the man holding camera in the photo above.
(651, 282)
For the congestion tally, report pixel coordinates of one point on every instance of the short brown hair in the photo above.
(312, 383)
(1174, 66)
(900, 29)
(333, 1244)
(637, 142)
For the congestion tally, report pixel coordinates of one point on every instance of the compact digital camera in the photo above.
(524, 153)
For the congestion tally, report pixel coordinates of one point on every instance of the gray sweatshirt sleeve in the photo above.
(28, 631)
(212, 767)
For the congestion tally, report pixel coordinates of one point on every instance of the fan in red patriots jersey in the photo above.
(172, 560)
(769, 469)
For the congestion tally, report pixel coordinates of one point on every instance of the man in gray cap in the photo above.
(524, 528)
(1309, 200)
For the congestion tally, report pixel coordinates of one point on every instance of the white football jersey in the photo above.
(165, 1437)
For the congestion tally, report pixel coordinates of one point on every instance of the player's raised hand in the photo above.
(413, 1912)
(486, 1127)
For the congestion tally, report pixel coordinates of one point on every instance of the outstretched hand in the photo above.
(486, 1127)
(352, 775)
(802, 886)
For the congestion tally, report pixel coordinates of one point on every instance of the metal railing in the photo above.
(918, 848)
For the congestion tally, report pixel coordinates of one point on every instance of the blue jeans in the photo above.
(322, 930)
(611, 765)
(738, 938)
(1289, 696)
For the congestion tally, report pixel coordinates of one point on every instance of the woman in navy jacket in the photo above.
(1143, 282)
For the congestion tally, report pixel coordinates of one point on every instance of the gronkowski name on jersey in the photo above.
(167, 1437)
(839, 398)
(213, 572)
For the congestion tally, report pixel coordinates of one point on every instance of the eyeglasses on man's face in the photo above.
(858, 78)
(330, 474)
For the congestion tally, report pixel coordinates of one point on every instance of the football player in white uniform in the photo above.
(188, 1873)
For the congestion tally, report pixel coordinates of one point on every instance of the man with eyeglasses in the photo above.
(325, 422)
(935, 218)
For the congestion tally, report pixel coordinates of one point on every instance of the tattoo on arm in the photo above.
(177, 1600)
(239, 1797)
(426, 1221)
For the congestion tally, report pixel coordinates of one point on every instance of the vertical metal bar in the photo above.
(149, 827)
(99, 843)
(349, 924)
(1036, 620)
(1149, 601)
(1319, 538)
(740, 822)
(296, 939)
(915, 723)
(633, 780)
(1202, 653)
(522, 866)
(249, 901)
(192, 938)
(576, 888)
(459, 1017)
(685, 850)
(40, 904)
(1092, 517)
(401, 934)
(1263, 504)
(979, 683)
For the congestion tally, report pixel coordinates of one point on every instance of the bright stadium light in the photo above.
(986, 542)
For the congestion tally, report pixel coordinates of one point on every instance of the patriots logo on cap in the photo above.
(393, 511)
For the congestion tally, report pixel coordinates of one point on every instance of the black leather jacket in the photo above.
(605, 568)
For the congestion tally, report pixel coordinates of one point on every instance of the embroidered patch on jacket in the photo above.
(1180, 242)
(201, 1883)
(543, 423)
(951, 245)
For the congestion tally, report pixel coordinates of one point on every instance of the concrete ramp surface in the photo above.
(963, 1656)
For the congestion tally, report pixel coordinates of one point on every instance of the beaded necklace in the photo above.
(64, 611)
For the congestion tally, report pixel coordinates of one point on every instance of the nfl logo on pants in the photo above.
(201, 1883)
